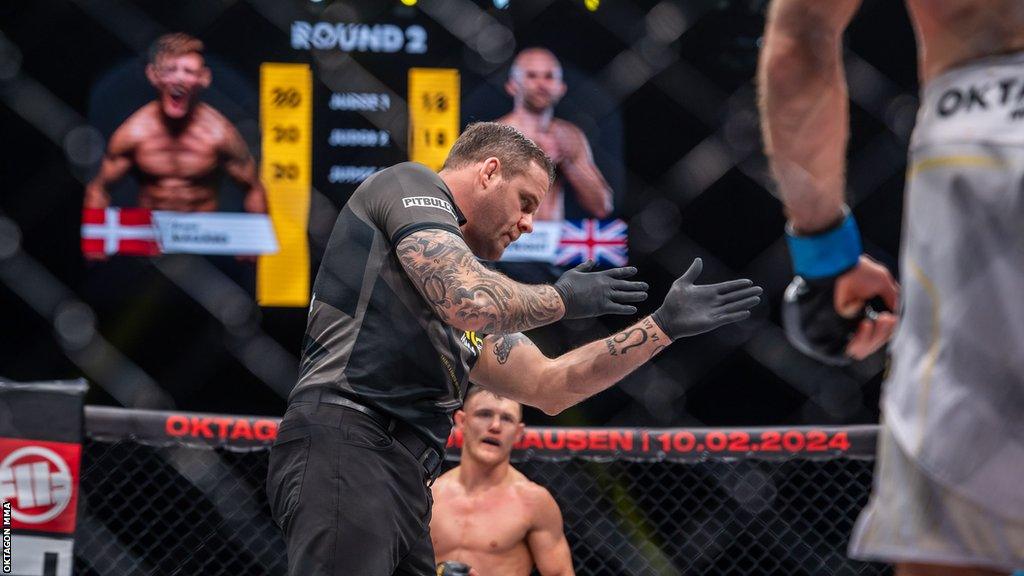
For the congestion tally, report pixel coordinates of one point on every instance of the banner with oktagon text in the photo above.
(231, 432)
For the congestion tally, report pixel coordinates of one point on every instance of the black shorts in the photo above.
(350, 499)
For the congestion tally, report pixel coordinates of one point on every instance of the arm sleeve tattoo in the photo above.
(467, 295)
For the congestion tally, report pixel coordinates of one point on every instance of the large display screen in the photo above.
(202, 155)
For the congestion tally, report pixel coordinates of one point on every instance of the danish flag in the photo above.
(603, 241)
(107, 231)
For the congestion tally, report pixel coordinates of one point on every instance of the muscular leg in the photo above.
(935, 570)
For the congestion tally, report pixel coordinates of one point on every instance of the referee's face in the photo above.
(506, 208)
(490, 427)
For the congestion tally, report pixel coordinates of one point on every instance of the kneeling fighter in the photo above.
(486, 513)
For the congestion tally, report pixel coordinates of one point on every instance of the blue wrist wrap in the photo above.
(827, 254)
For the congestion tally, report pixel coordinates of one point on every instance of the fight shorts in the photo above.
(949, 481)
(912, 518)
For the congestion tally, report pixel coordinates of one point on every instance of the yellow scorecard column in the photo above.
(286, 112)
(433, 114)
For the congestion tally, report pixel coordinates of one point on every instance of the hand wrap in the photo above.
(809, 315)
(452, 568)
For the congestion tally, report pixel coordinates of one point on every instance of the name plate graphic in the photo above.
(214, 233)
(541, 245)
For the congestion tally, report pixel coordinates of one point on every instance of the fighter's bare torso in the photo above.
(178, 167)
(954, 32)
(488, 527)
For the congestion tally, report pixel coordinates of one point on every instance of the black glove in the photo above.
(690, 309)
(812, 324)
(452, 568)
(587, 294)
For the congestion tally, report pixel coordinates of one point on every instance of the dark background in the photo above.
(663, 90)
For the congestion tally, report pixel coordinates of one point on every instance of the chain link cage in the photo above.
(200, 510)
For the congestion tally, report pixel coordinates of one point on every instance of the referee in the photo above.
(396, 329)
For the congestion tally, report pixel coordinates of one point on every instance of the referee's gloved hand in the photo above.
(587, 294)
(453, 568)
(691, 309)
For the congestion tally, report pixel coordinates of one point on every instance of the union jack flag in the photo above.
(604, 241)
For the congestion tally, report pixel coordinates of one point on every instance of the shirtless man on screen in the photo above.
(177, 146)
(535, 85)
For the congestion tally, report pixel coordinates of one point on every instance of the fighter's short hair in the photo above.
(174, 44)
(483, 140)
(476, 390)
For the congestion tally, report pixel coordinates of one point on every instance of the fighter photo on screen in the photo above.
(177, 147)
(536, 87)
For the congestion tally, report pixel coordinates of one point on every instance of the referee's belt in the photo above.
(425, 454)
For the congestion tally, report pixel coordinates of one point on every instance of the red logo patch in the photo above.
(40, 480)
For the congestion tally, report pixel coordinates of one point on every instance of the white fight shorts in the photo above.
(951, 459)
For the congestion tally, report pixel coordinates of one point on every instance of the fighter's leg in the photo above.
(923, 528)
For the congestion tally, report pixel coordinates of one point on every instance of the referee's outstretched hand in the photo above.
(691, 309)
(587, 294)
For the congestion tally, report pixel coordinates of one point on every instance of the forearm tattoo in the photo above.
(503, 347)
(633, 337)
(460, 288)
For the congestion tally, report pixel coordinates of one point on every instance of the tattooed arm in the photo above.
(467, 295)
(510, 365)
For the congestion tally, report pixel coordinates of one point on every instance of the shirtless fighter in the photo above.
(178, 146)
(535, 85)
(487, 515)
(947, 497)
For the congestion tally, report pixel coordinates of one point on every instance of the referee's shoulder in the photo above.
(411, 169)
(404, 177)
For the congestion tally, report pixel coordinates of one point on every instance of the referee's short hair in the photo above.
(482, 140)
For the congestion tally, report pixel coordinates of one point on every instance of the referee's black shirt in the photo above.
(370, 335)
